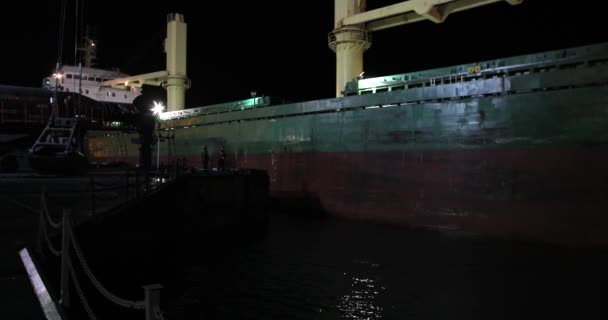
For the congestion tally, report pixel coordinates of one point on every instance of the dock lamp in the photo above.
(158, 108)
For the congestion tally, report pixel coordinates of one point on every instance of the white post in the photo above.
(152, 301)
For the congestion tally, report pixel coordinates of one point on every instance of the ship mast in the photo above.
(88, 50)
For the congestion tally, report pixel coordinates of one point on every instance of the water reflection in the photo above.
(361, 301)
(305, 270)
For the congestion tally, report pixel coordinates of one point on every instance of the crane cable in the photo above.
(76, 31)
(79, 30)
(61, 31)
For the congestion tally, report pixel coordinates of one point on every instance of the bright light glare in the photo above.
(158, 108)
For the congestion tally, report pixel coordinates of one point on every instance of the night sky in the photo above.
(278, 48)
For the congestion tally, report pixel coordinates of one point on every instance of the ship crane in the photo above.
(174, 78)
(350, 37)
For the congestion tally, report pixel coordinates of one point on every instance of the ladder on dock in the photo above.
(58, 135)
(59, 147)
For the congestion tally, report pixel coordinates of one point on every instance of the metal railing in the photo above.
(134, 184)
(151, 301)
(350, 34)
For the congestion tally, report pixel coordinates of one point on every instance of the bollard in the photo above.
(65, 256)
(152, 301)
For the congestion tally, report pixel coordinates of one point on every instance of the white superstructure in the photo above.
(88, 81)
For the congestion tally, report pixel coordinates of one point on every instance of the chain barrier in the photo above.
(159, 314)
(150, 305)
(45, 235)
(45, 211)
(81, 296)
(107, 294)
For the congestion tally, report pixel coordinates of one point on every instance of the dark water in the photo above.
(328, 268)
(332, 269)
(311, 268)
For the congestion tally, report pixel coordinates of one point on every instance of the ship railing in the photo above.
(251, 103)
(472, 73)
(69, 243)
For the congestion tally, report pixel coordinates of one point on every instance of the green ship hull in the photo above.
(513, 148)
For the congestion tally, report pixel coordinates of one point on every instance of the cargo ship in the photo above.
(513, 148)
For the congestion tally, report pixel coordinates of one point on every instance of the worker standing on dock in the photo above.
(205, 158)
(221, 159)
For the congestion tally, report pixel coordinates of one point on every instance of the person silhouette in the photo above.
(221, 158)
(205, 158)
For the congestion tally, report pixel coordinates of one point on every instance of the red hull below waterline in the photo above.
(553, 195)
